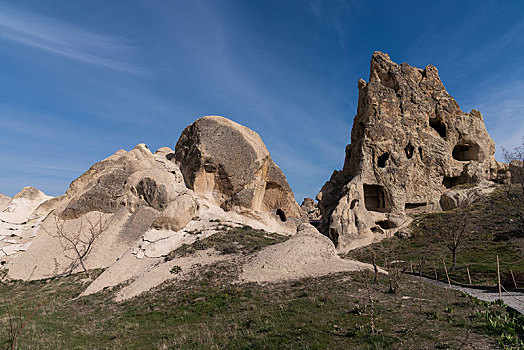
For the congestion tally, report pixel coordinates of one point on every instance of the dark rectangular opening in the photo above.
(374, 198)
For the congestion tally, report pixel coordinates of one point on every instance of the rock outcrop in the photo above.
(230, 165)
(410, 143)
(149, 204)
(4, 201)
(310, 208)
(20, 219)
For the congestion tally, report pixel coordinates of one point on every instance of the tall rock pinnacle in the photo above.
(410, 143)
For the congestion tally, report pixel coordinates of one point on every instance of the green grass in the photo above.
(331, 312)
(229, 240)
(489, 235)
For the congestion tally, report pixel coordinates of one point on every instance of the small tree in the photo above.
(78, 244)
(396, 267)
(514, 190)
(453, 229)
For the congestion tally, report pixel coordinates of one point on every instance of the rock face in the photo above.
(229, 164)
(311, 210)
(20, 219)
(151, 203)
(410, 143)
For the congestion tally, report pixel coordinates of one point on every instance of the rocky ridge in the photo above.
(143, 205)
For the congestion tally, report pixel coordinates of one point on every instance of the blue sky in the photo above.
(82, 79)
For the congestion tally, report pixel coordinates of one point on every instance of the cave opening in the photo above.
(414, 207)
(386, 224)
(452, 181)
(466, 152)
(382, 159)
(439, 126)
(375, 198)
(281, 215)
(409, 150)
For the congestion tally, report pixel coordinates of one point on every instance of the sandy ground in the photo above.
(175, 269)
(306, 254)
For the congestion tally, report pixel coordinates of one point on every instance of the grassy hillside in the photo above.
(209, 312)
(489, 234)
(212, 311)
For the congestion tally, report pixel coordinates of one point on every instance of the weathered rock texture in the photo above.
(410, 143)
(149, 205)
(20, 219)
(229, 164)
(310, 208)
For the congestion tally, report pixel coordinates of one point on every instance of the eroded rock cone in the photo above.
(228, 163)
(410, 143)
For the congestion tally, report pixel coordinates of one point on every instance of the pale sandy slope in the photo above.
(306, 254)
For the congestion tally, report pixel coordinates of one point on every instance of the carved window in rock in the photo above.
(466, 152)
(281, 215)
(382, 160)
(375, 198)
(409, 150)
(439, 126)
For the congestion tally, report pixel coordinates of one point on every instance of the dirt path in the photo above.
(514, 300)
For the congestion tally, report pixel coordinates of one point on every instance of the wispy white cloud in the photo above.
(66, 40)
(335, 15)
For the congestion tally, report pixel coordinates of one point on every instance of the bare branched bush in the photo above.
(15, 326)
(453, 229)
(396, 268)
(514, 190)
(78, 244)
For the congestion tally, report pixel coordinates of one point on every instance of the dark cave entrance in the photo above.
(281, 215)
(439, 126)
(466, 151)
(375, 198)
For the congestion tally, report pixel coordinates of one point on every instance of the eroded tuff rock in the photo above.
(148, 208)
(229, 164)
(410, 143)
(310, 208)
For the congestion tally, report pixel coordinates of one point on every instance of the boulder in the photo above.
(410, 143)
(229, 164)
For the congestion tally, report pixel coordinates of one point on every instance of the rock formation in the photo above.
(310, 208)
(229, 164)
(150, 204)
(410, 143)
(306, 254)
(20, 219)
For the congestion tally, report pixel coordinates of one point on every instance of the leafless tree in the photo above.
(514, 190)
(78, 244)
(396, 267)
(453, 229)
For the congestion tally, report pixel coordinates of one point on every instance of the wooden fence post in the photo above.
(498, 275)
(469, 277)
(446, 269)
(513, 277)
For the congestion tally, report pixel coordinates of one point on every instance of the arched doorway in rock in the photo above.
(281, 215)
